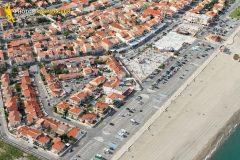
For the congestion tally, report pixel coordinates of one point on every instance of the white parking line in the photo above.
(197, 65)
(156, 107)
(99, 139)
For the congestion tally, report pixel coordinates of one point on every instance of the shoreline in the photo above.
(229, 127)
(224, 133)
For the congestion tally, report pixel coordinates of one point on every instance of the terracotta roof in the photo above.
(11, 103)
(75, 98)
(58, 145)
(31, 132)
(81, 94)
(115, 96)
(112, 82)
(116, 25)
(43, 139)
(25, 80)
(28, 93)
(54, 87)
(74, 110)
(32, 107)
(14, 116)
(69, 76)
(98, 80)
(49, 122)
(73, 132)
(113, 64)
(63, 105)
(2, 13)
(89, 116)
(43, 71)
(55, 93)
(87, 71)
(30, 119)
(101, 105)
(152, 12)
(90, 87)
(5, 79)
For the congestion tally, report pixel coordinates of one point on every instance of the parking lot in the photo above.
(223, 26)
(198, 51)
(145, 63)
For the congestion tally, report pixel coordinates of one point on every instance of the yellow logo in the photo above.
(8, 12)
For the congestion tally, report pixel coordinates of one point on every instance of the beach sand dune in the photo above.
(195, 117)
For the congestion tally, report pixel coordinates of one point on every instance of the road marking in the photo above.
(159, 97)
(145, 96)
(150, 91)
(162, 95)
(105, 132)
(99, 139)
(197, 65)
(156, 107)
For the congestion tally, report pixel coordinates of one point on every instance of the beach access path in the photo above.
(196, 116)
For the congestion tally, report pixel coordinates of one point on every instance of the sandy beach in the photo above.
(197, 116)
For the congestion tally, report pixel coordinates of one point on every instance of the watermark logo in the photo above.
(8, 12)
(11, 13)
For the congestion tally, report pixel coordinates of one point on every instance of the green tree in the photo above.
(64, 138)
(18, 88)
(145, 6)
(71, 138)
(162, 66)
(55, 109)
(236, 57)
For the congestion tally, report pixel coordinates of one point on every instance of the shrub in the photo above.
(236, 57)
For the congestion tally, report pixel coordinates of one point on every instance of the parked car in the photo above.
(131, 111)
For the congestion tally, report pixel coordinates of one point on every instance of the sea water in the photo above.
(230, 149)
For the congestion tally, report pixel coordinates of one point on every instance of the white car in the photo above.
(123, 131)
(133, 120)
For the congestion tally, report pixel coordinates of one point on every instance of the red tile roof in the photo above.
(98, 80)
(112, 82)
(31, 132)
(58, 145)
(115, 96)
(74, 110)
(101, 105)
(73, 132)
(89, 116)
(14, 116)
(43, 139)
(63, 105)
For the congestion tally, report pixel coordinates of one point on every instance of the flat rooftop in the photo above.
(173, 41)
